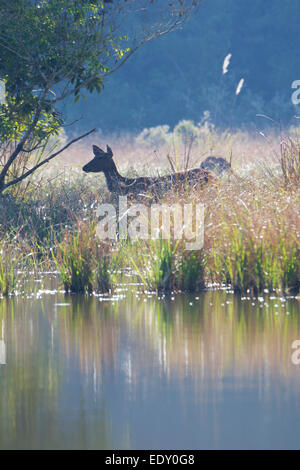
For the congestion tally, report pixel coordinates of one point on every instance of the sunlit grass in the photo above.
(10, 259)
(254, 240)
(252, 236)
(83, 261)
(290, 160)
(165, 266)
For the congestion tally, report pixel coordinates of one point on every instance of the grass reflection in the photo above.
(65, 353)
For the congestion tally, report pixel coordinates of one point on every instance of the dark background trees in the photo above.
(51, 50)
(180, 76)
(60, 52)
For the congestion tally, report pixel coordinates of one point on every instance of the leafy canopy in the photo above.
(49, 50)
(53, 49)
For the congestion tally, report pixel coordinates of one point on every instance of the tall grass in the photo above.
(252, 232)
(191, 271)
(105, 264)
(10, 259)
(83, 261)
(74, 259)
(249, 265)
(164, 265)
(254, 242)
(153, 263)
(290, 161)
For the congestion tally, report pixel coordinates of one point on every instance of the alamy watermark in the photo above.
(2, 352)
(2, 92)
(159, 221)
(2, 345)
(296, 354)
(296, 94)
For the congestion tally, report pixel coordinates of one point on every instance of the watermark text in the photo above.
(159, 221)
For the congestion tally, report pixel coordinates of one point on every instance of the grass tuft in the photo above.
(83, 262)
(10, 260)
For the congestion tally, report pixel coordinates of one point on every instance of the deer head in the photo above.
(102, 161)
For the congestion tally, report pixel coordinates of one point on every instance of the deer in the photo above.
(217, 165)
(119, 185)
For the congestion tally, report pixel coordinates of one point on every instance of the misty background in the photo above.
(180, 75)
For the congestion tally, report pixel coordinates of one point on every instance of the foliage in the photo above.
(251, 234)
(55, 49)
(10, 259)
(254, 242)
(83, 261)
(180, 76)
(165, 265)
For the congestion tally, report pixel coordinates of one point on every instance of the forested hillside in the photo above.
(180, 76)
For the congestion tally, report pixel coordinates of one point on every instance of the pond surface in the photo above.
(213, 371)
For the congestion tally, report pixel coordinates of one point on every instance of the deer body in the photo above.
(216, 164)
(119, 185)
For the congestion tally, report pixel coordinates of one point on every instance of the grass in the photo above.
(10, 260)
(254, 243)
(153, 263)
(83, 261)
(74, 260)
(191, 271)
(256, 266)
(252, 239)
(290, 161)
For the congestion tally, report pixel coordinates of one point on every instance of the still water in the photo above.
(213, 371)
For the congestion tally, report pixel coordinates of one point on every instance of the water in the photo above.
(208, 372)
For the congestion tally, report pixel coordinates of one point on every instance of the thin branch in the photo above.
(74, 90)
(157, 34)
(32, 170)
(144, 41)
(19, 147)
(36, 147)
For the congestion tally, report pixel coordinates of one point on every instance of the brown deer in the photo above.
(217, 165)
(142, 186)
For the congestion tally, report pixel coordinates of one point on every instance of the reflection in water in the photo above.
(2, 343)
(213, 371)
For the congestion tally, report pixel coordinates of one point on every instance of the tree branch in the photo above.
(19, 148)
(33, 169)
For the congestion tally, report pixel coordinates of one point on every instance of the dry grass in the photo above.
(252, 219)
(147, 152)
(253, 236)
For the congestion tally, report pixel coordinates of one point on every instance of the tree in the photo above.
(53, 49)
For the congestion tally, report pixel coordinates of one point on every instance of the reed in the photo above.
(74, 260)
(165, 266)
(252, 221)
(254, 242)
(83, 262)
(290, 161)
(153, 263)
(191, 271)
(10, 260)
(105, 266)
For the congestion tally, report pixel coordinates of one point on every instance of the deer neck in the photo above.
(113, 179)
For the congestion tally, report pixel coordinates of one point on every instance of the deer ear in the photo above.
(97, 151)
(109, 151)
